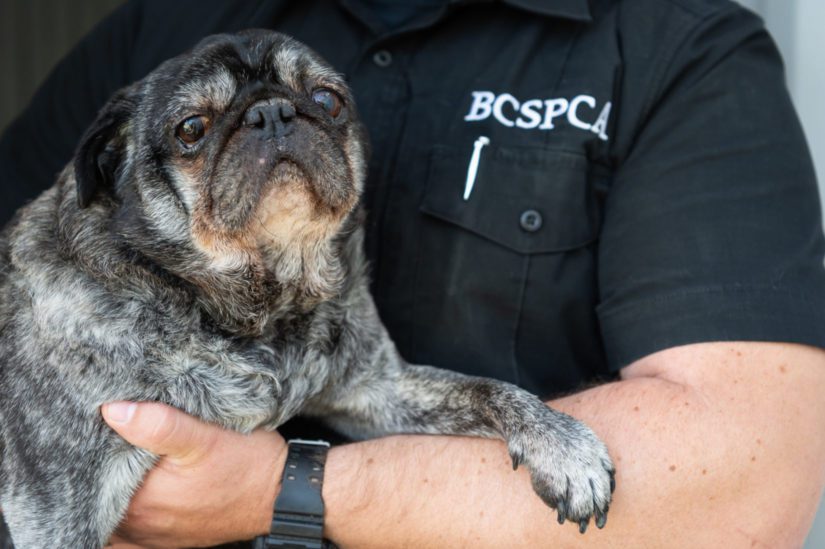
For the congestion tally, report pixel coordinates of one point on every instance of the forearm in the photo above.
(455, 492)
(693, 468)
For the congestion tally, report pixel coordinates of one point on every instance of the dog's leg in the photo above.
(570, 468)
(237, 389)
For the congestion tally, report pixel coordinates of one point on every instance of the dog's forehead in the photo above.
(213, 73)
(212, 90)
(294, 61)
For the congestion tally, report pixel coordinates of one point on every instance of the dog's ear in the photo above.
(102, 146)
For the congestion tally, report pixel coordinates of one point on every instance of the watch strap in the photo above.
(298, 516)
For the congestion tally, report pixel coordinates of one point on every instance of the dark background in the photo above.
(34, 35)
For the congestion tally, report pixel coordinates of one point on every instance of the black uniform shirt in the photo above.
(557, 187)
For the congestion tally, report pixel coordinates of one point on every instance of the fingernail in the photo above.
(121, 412)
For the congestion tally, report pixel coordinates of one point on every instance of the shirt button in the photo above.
(382, 58)
(530, 221)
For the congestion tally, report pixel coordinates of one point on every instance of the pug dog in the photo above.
(203, 249)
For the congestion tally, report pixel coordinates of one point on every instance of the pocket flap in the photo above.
(530, 199)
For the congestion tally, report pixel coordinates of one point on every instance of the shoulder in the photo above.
(672, 46)
(665, 35)
(641, 12)
(666, 25)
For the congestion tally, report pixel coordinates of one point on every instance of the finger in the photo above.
(161, 429)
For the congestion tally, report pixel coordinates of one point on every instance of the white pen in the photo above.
(472, 169)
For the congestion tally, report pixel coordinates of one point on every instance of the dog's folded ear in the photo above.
(102, 146)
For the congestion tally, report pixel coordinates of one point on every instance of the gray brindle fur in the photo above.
(224, 278)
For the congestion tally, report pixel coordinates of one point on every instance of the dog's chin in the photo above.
(289, 219)
(291, 213)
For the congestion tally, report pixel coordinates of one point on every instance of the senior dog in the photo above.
(203, 249)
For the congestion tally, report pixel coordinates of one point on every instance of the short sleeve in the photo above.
(712, 228)
(37, 145)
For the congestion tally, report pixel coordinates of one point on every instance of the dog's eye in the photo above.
(329, 100)
(193, 129)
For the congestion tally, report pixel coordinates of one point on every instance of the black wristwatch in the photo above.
(298, 515)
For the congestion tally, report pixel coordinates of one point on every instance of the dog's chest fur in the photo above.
(134, 334)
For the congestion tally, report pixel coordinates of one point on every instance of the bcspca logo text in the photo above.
(541, 114)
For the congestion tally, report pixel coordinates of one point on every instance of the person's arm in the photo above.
(717, 443)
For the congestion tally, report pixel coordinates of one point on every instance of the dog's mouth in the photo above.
(289, 173)
(287, 170)
(291, 209)
(287, 181)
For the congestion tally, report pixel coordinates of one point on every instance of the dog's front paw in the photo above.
(569, 466)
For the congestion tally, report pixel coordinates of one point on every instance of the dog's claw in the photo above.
(517, 459)
(601, 519)
(612, 482)
(599, 514)
(562, 509)
(583, 525)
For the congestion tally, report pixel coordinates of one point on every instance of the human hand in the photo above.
(211, 486)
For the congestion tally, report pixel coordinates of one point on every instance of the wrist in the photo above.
(271, 473)
(299, 510)
(342, 497)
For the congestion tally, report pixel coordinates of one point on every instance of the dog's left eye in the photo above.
(192, 130)
(329, 100)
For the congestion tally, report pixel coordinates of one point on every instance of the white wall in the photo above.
(808, 87)
(798, 26)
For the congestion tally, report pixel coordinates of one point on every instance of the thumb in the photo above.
(161, 429)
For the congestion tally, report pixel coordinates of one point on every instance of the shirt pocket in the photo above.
(528, 199)
(507, 275)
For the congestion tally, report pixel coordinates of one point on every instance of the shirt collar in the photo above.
(577, 10)
(574, 10)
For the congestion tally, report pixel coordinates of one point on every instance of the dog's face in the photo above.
(244, 156)
(254, 136)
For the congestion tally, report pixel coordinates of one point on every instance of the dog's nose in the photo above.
(274, 117)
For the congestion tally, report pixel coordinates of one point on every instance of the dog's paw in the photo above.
(570, 469)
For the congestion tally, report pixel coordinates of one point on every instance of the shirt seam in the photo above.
(701, 14)
(525, 277)
(605, 310)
